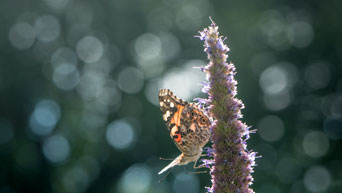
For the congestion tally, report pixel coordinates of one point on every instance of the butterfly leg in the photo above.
(197, 167)
(198, 172)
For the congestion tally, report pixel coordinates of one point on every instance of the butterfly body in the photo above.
(188, 126)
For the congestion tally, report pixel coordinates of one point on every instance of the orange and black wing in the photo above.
(172, 108)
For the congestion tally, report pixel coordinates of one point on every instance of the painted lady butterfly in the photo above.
(188, 126)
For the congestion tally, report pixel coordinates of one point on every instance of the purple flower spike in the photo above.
(232, 163)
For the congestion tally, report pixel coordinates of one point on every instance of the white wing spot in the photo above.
(172, 105)
(193, 127)
(164, 100)
(168, 100)
(161, 103)
(166, 115)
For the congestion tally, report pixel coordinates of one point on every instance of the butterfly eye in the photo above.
(203, 121)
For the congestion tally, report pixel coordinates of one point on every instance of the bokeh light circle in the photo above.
(89, 49)
(278, 101)
(56, 148)
(63, 55)
(273, 80)
(110, 94)
(66, 76)
(150, 41)
(300, 34)
(22, 35)
(315, 144)
(130, 80)
(188, 77)
(90, 85)
(47, 28)
(317, 179)
(151, 89)
(137, 179)
(150, 61)
(44, 117)
(120, 134)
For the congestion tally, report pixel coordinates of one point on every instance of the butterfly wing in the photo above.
(188, 126)
(194, 129)
(171, 107)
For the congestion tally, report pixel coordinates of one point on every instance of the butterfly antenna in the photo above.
(168, 159)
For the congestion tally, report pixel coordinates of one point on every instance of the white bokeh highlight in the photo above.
(44, 117)
(276, 78)
(137, 179)
(276, 82)
(89, 49)
(56, 148)
(147, 46)
(120, 135)
(278, 101)
(185, 82)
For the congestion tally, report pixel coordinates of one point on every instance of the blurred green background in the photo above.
(79, 83)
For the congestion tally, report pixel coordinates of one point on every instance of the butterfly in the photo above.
(188, 127)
